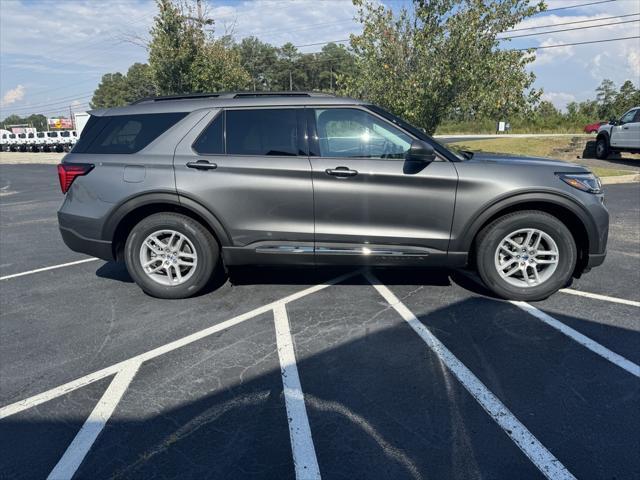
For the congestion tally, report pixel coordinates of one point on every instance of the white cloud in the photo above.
(559, 99)
(13, 95)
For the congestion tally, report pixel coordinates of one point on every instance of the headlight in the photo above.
(587, 182)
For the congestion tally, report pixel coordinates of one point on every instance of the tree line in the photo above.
(437, 64)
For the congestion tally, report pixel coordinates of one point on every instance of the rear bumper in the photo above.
(78, 243)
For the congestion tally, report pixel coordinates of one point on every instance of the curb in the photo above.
(612, 180)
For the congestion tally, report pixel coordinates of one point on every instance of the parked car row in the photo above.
(57, 141)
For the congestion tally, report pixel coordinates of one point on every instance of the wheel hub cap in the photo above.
(168, 257)
(526, 258)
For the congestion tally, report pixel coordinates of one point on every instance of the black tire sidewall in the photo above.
(500, 229)
(205, 245)
(605, 149)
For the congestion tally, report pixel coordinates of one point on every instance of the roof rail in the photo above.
(176, 97)
(188, 96)
(280, 94)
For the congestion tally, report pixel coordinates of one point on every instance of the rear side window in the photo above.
(262, 132)
(124, 133)
(211, 140)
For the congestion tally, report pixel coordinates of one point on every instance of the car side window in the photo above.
(637, 119)
(350, 132)
(211, 140)
(628, 117)
(262, 132)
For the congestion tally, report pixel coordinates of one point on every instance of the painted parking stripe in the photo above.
(583, 340)
(304, 453)
(45, 269)
(544, 460)
(597, 296)
(81, 444)
(55, 392)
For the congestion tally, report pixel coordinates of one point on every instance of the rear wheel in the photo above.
(170, 255)
(602, 148)
(526, 255)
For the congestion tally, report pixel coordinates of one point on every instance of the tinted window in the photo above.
(40, 134)
(628, 117)
(124, 133)
(22, 135)
(211, 140)
(12, 135)
(30, 135)
(349, 132)
(52, 134)
(65, 134)
(262, 132)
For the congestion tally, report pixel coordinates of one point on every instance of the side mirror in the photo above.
(613, 121)
(421, 151)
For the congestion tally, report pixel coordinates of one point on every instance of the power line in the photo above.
(571, 23)
(575, 6)
(576, 43)
(56, 102)
(567, 29)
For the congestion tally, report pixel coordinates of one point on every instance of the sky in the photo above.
(54, 52)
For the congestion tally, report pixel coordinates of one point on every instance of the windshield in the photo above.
(416, 132)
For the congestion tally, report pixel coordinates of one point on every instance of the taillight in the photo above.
(67, 173)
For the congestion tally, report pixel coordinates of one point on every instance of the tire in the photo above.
(198, 242)
(602, 148)
(555, 236)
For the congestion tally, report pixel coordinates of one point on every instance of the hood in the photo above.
(513, 160)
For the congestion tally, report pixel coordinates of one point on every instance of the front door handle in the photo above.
(202, 165)
(625, 128)
(341, 172)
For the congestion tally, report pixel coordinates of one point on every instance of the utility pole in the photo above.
(290, 81)
(73, 127)
(201, 20)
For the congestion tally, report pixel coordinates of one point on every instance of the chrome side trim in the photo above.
(285, 249)
(366, 251)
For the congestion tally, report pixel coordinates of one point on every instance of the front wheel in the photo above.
(602, 148)
(526, 255)
(170, 255)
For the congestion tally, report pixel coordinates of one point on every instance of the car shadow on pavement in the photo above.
(379, 403)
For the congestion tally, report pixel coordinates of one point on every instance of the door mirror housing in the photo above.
(613, 121)
(421, 151)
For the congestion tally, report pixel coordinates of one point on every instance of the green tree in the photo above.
(111, 91)
(606, 97)
(139, 82)
(259, 59)
(443, 54)
(218, 67)
(628, 96)
(174, 47)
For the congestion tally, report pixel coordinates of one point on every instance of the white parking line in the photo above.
(583, 340)
(44, 269)
(304, 453)
(597, 296)
(27, 403)
(544, 460)
(81, 444)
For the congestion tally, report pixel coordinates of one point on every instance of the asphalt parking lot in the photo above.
(301, 373)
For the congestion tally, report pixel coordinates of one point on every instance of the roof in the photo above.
(197, 101)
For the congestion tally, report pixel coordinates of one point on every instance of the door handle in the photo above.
(341, 172)
(625, 128)
(202, 165)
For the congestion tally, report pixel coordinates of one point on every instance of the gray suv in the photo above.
(177, 186)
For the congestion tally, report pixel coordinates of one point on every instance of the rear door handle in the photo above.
(341, 172)
(202, 165)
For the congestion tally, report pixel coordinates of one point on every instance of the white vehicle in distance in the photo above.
(53, 141)
(4, 139)
(22, 142)
(32, 141)
(619, 135)
(68, 139)
(41, 140)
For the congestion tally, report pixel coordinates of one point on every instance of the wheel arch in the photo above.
(129, 213)
(581, 226)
